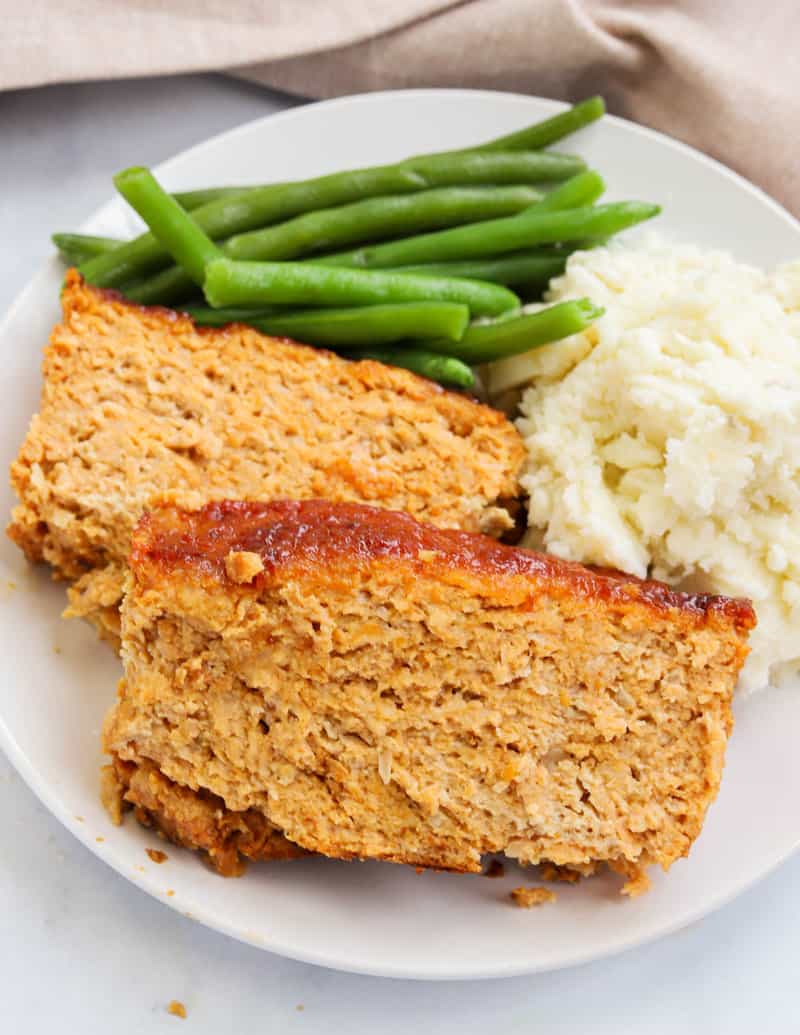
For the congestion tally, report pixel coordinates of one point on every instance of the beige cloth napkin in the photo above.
(723, 75)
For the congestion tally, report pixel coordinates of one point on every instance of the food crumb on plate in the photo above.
(300, 1008)
(99, 840)
(170, 892)
(177, 1009)
(528, 898)
(156, 855)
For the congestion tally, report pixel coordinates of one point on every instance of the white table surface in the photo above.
(82, 950)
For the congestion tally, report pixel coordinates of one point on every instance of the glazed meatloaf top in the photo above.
(259, 543)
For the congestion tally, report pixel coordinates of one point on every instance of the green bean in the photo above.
(370, 325)
(580, 190)
(274, 203)
(542, 134)
(192, 199)
(483, 343)
(529, 229)
(205, 316)
(171, 286)
(376, 218)
(361, 325)
(447, 370)
(526, 267)
(77, 248)
(255, 283)
(168, 222)
(531, 269)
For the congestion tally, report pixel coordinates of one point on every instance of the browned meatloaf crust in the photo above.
(378, 688)
(194, 819)
(139, 402)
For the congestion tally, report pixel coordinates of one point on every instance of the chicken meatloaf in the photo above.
(139, 401)
(378, 688)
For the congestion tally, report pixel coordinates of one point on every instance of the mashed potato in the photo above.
(666, 440)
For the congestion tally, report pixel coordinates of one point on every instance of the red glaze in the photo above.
(317, 534)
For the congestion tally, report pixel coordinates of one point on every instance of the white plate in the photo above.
(373, 918)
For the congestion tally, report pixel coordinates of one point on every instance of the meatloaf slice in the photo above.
(378, 688)
(138, 402)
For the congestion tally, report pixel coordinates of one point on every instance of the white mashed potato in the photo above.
(666, 440)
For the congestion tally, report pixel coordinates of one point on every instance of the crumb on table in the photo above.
(156, 855)
(527, 898)
(177, 1009)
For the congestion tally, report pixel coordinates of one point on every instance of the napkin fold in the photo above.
(722, 75)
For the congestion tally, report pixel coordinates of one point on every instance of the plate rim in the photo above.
(47, 793)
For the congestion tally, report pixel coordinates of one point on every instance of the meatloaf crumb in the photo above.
(389, 690)
(139, 401)
(527, 898)
(243, 566)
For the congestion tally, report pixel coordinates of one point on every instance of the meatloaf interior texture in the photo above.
(378, 688)
(139, 402)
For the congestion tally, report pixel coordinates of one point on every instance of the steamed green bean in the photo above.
(77, 248)
(485, 342)
(376, 218)
(171, 225)
(447, 370)
(529, 229)
(295, 283)
(535, 266)
(357, 326)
